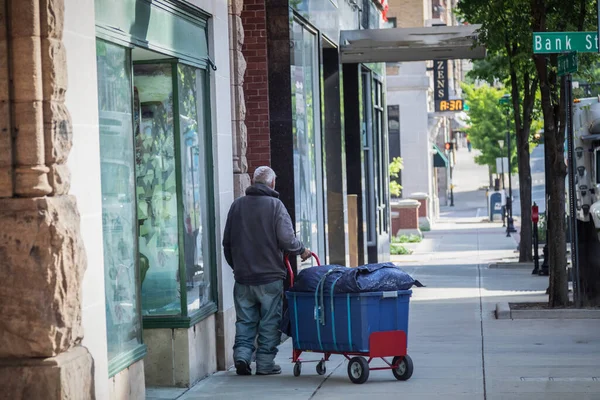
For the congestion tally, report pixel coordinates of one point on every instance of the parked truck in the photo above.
(586, 128)
(586, 143)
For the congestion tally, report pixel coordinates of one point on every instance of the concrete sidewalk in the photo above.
(460, 351)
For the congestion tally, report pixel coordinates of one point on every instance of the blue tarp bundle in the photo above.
(382, 277)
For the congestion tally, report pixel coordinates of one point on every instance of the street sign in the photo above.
(466, 106)
(504, 100)
(501, 165)
(449, 105)
(563, 42)
(567, 63)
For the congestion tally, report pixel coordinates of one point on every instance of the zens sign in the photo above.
(449, 105)
(440, 79)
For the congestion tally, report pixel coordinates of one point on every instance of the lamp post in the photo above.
(509, 226)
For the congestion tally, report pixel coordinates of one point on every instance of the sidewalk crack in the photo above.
(325, 380)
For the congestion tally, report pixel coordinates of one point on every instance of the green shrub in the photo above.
(406, 239)
(397, 249)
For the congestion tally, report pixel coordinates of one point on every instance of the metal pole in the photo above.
(451, 181)
(572, 198)
(504, 209)
(536, 256)
(509, 226)
(502, 169)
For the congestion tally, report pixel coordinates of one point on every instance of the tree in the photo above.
(487, 125)
(556, 15)
(394, 170)
(506, 33)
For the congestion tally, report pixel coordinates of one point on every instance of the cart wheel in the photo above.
(297, 368)
(321, 368)
(358, 370)
(405, 368)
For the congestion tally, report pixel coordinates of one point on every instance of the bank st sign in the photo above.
(563, 42)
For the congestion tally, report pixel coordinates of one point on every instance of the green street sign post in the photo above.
(564, 42)
(567, 63)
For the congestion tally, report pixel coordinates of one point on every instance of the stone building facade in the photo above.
(82, 315)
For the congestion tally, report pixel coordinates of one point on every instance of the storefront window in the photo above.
(156, 187)
(170, 131)
(192, 131)
(307, 140)
(118, 199)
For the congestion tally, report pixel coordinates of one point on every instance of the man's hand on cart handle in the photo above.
(306, 255)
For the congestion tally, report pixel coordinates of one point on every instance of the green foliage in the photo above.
(397, 249)
(395, 167)
(487, 120)
(407, 239)
(542, 228)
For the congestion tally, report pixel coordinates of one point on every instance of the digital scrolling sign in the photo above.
(450, 105)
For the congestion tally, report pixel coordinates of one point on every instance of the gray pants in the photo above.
(258, 312)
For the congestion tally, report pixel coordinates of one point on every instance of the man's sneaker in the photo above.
(275, 370)
(242, 368)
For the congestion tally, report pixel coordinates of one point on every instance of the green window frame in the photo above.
(166, 26)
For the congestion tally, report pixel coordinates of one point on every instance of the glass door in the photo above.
(375, 158)
(383, 181)
(308, 161)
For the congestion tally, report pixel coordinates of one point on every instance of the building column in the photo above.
(42, 258)
(241, 179)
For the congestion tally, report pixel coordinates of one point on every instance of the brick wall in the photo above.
(408, 13)
(256, 86)
(423, 208)
(405, 217)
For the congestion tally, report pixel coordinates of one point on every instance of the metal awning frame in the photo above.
(411, 44)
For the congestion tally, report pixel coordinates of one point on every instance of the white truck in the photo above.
(586, 143)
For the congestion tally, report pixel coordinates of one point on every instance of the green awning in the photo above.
(439, 159)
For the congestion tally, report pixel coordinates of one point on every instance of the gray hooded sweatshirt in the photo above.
(258, 230)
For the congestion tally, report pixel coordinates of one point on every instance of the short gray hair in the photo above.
(264, 175)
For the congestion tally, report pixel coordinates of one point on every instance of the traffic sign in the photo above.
(567, 63)
(563, 42)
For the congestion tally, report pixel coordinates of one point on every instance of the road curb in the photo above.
(511, 265)
(503, 311)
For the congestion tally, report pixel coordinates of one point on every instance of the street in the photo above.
(460, 351)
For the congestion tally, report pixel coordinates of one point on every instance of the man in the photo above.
(258, 231)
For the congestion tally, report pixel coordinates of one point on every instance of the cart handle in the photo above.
(286, 259)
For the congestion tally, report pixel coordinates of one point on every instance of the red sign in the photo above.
(535, 214)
